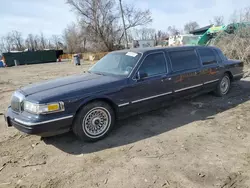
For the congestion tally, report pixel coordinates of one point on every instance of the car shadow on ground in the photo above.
(153, 123)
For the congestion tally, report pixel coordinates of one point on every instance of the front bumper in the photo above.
(43, 127)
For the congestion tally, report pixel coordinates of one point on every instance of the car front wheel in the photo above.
(223, 86)
(94, 121)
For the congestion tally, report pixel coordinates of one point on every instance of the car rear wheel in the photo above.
(223, 86)
(94, 121)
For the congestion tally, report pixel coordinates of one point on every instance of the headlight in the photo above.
(43, 108)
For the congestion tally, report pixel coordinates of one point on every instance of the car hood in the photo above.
(69, 83)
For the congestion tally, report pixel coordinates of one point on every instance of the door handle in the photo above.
(197, 72)
(166, 78)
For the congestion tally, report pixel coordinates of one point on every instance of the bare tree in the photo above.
(242, 15)
(6, 43)
(43, 42)
(11, 41)
(246, 14)
(56, 40)
(161, 35)
(2, 45)
(30, 42)
(71, 39)
(173, 30)
(17, 40)
(37, 42)
(144, 34)
(102, 20)
(83, 36)
(14, 41)
(135, 17)
(236, 45)
(50, 45)
(218, 20)
(190, 26)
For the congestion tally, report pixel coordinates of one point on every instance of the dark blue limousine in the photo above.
(121, 84)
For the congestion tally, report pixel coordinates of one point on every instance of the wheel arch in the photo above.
(230, 75)
(102, 99)
(77, 126)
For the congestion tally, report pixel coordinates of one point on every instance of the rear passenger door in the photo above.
(211, 70)
(185, 72)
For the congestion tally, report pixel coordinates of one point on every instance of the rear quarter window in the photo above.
(221, 55)
(184, 60)
(207, 56)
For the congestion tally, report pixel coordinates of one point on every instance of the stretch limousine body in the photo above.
(121, 84)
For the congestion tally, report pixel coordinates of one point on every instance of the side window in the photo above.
(222, 56)
(207, 56)
(218, 58)
(184, 60)
(154, 64)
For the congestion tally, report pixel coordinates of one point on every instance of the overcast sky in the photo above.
(52, 16)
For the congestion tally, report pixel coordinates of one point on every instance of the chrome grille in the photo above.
(16, 102)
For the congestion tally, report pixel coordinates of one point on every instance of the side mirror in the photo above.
(140, 75)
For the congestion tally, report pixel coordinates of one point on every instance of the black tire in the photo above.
(221, 90)
(91, 118)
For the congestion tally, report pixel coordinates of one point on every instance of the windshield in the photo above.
(120, 63)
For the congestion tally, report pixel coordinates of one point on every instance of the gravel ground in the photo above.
(203, 142)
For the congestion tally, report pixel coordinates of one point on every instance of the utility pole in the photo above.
(124, 26)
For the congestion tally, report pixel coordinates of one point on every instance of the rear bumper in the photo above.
(48, 127)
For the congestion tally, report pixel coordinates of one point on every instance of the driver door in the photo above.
(154, 88)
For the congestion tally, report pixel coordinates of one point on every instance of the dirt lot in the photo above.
(203, 142)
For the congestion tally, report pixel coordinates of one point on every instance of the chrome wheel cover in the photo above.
(96, 122)
(225, 84)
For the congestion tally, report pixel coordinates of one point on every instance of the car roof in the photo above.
(151, 49)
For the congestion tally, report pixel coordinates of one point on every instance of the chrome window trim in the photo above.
(186, 88)
(42, 122)
(124, 104)
(212, 81)
(238, 74)
(129, 75)
(154, 96)
(167, 71)
(168, 93)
